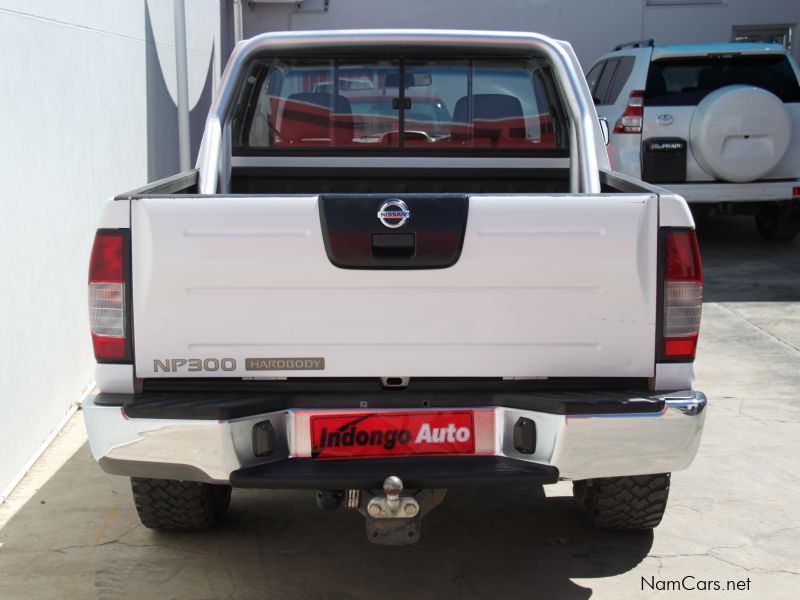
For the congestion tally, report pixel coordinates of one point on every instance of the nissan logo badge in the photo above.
(665, 120)
(394, 213)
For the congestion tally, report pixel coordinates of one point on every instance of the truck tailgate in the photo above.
(545, 286)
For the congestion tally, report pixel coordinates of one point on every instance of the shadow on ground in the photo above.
(79, 537)
(738, 266)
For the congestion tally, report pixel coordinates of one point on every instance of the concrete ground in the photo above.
(69, 531)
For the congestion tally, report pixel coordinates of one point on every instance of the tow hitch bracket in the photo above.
(392, 505)
(395, 518)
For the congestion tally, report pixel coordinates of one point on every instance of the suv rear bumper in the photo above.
(712, 193)
(627, 435)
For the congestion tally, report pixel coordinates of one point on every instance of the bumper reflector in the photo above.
(525, 436)
(263, 439)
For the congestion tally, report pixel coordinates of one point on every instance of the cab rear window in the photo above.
(686, 81)
(453, 105)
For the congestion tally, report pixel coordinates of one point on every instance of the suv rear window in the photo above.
(607, 78)
(287, 105)
(686, 81)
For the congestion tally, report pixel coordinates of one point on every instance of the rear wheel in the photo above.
(777, 223)
(171, 505)
(635, 502)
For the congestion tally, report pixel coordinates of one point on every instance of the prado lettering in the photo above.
(357, 435)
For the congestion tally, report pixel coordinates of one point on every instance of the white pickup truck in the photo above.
(402, 265)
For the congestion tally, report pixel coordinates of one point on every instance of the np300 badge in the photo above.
(394, 213)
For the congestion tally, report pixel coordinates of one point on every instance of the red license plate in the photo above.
(369, 434)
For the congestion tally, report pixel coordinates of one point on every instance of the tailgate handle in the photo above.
(394, 245)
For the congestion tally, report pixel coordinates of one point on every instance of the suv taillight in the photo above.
(683, 294)
(107, 296)
(631, 119)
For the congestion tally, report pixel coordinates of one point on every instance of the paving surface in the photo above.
(69, 531)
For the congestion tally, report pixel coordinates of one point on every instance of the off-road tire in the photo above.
(635, 502)
(171, 505)
(777, 224)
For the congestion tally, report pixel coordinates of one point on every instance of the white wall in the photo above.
(572, 20)
(593, 27)
(77, 123)
(704, 23)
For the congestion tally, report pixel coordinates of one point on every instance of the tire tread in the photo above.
(629, 503)
(170, 505)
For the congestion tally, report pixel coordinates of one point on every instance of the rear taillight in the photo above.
(631, 119)
(683, 294)
(107, 302)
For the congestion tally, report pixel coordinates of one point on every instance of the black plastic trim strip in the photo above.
(415, 151)
(416, 472)
(373, 384)
(433, 172)
(220, 406)
(349, 224)
(650, 42)
(305, 181)
(401, 115)
(661, 250)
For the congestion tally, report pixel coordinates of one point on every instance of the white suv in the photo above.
(718, 124)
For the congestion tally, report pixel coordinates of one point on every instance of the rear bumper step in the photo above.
(416, 472)
(226, 406)
(643, 434)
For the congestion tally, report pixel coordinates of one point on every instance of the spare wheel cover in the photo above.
(739, 133)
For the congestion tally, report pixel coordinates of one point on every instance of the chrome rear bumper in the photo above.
(579, 446)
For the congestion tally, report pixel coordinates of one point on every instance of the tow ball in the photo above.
(395, 518)
(392, 505)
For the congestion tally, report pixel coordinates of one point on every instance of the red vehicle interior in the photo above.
(321, 119)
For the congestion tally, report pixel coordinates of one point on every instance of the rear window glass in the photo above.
(686, 81)
(605, 81)
(621, 77)
(593, 76)
(460, 104)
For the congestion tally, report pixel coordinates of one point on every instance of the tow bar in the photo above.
(393, 518)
